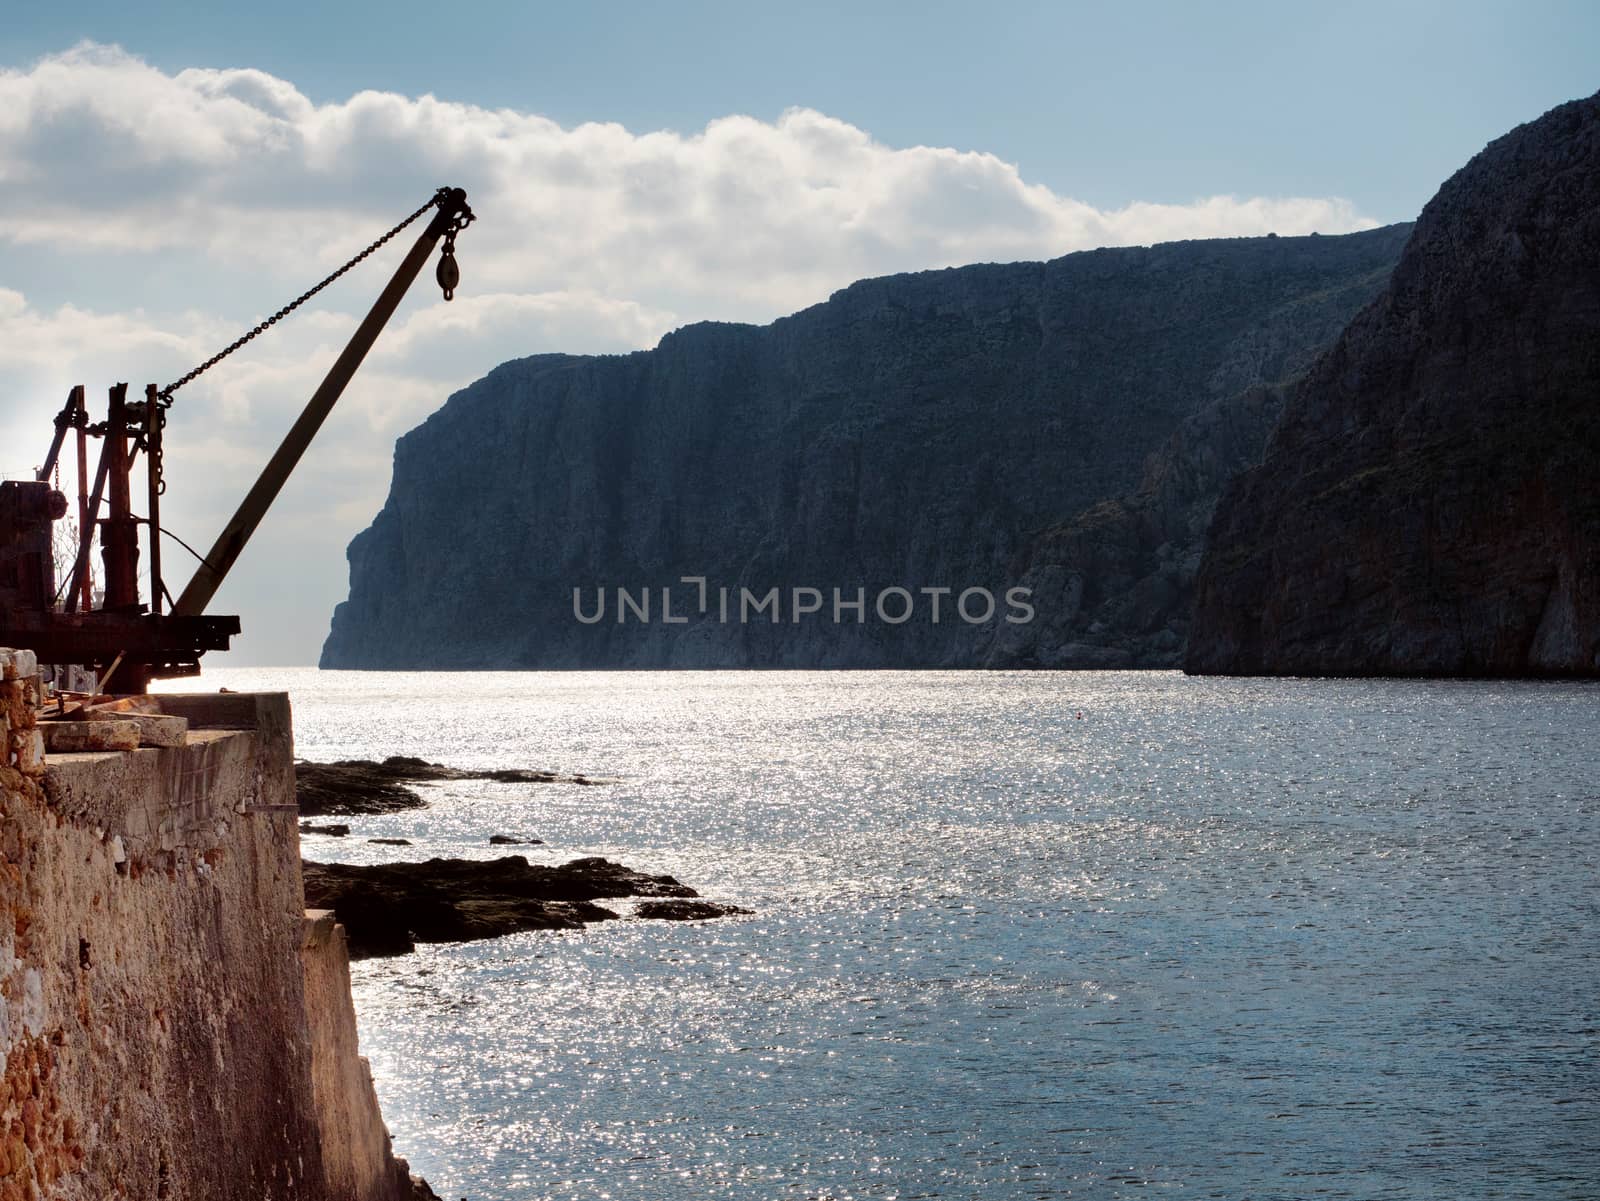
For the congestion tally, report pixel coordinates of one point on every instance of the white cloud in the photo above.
(747, 215)
(232, 190)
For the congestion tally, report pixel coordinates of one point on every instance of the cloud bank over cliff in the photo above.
(152, 216)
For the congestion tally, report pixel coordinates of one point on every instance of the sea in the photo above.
(1014, 935)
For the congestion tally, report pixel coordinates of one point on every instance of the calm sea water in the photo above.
(1238, 939)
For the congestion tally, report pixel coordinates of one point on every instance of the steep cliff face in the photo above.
(918, 431)
(1427, 504)
(1114, 585)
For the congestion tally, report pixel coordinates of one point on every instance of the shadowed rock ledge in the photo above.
(362, 787)
(387, 908)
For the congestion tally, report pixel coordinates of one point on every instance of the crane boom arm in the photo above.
(231, 542)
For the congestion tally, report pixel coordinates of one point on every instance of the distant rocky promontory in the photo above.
(1063, 427)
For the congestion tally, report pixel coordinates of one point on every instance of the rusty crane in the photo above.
(124, 637)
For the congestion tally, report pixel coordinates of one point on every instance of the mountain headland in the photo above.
(1254, 456)
(949, 429)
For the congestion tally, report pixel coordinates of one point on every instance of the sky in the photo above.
(174, 172)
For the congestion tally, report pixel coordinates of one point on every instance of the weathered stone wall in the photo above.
(158, 1033)
(356, 1157)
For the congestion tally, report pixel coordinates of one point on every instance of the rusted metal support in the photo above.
(80, 569)
(64, 419)
(119, 536)
(98, 637)
(27, 570)
(82, 589)
(214, 569)
(152, 464)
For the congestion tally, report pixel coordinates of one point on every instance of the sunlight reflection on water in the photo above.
(1218, 938)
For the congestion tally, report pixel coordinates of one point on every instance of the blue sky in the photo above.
(174, 172)
(1108, 102)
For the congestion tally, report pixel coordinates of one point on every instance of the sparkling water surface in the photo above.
(1215, 938)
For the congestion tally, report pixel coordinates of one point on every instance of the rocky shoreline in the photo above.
(387, 908)
(362, 787)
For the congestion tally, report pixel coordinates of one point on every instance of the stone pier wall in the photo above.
(172, 1026)
(357, 1160)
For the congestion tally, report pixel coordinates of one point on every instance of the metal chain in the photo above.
(165, 394)
(158, 467)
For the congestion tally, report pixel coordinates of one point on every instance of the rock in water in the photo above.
(687, 911)
(916, 431)
(1428, 502)
(351, 788)
(357, 787)
(386, 908)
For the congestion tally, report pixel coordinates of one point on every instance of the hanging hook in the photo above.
(448, 274)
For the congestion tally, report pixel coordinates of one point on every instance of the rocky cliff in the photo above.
(1428, 503)
(917, 432)
(1113, 586)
